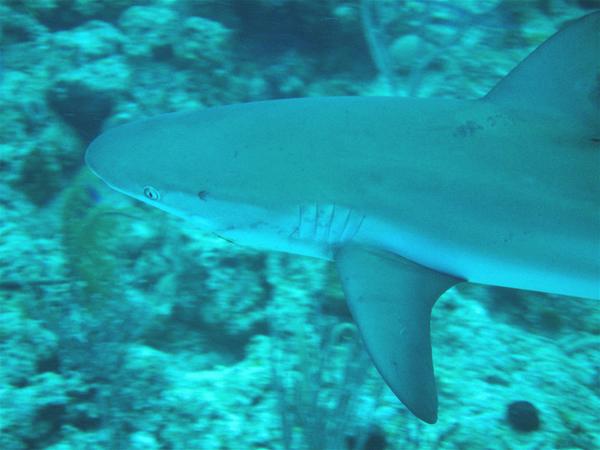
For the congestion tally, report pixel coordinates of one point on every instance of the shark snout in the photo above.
(104, 154)
(90, 157)
(98, 153)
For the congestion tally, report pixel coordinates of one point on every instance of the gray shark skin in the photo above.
(408, 197)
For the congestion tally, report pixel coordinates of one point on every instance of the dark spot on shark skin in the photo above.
(494, 120)
(467, 129)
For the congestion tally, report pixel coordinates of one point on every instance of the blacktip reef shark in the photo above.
(408, 197)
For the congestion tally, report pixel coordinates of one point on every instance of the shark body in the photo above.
(408, 197)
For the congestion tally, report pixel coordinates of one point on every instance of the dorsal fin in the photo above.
(562, 76)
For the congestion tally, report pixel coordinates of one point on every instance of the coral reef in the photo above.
(122, 327)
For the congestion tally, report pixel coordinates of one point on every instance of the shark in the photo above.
(408, 197)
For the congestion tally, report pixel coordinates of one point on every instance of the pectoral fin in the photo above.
(391, 299)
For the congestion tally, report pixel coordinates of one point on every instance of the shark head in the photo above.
(183, 164)
(243, 172)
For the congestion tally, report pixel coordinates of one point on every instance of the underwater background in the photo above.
(122, 327)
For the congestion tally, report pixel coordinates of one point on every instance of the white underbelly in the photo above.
(473, 264)
(317, 230)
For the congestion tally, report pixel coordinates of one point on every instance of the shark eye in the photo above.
(151, 193)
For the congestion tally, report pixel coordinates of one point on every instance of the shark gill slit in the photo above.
(298, 231)
(316, 224)
(330, 224)
(345, 227)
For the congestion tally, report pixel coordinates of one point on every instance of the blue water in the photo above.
(124, 328)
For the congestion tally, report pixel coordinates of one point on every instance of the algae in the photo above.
(90, 235)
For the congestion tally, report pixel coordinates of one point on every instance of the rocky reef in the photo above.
(124, 328)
